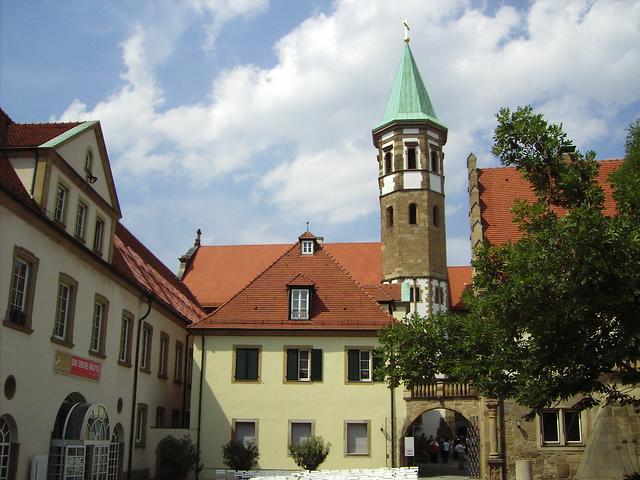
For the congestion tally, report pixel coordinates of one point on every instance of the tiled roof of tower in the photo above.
(500, 187)
(34, 134)
(133, 260)
(218, 272)
(338, 302)
(409, 99)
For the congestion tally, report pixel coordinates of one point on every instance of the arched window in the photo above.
(413, 214)
(434, 161)
(388, 162)
(414, 295)
(5, 448)
(389, 216)
(436, 216)
(411, 158)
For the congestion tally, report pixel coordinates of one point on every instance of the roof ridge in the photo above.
(357, 284)
(516, 168)
(245, 287)
(41, 124)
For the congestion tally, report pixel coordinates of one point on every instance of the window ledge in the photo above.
(145, 370)
(97, 354)
(64, 343)
(21, 328)
(177, 381)
(163, 376)
(124, 364)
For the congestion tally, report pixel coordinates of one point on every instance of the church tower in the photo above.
(409, 140)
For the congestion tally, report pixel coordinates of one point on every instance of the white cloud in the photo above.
(578, 61)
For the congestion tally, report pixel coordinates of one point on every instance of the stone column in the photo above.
(495, 455)
(494, 448)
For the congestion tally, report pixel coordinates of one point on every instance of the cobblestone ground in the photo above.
(442, 471)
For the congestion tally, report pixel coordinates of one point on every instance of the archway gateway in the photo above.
(436, 433)
(83, 446)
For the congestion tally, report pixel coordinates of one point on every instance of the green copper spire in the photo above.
(409, 99)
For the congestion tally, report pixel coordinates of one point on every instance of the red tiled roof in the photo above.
(133, 260)
(300, 280)
(218, 272)
(460, 278)
(500, 187)
(337, 303)
(307, 236)
(34, 134)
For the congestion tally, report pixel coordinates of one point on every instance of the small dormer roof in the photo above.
(307, 236)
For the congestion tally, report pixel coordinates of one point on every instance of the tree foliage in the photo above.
(311, 453)
(556, 314)
(240, 456)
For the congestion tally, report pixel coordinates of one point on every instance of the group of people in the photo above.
(441, 447)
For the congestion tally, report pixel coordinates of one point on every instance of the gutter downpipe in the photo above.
(132, 423)
(393, 413)
(202, 358)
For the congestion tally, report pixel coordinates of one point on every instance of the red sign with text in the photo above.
(81, 367)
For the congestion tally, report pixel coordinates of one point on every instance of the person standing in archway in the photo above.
(444, 451)
(460, 453)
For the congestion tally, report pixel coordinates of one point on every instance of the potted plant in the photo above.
(310, 453)
(239, 455)
(176, 458)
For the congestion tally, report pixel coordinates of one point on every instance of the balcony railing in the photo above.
(442, 389)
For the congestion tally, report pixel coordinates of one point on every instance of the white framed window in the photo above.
(299, 304)
(81, 221)
(245, 431)
(357, 437)
(560, 427)
(300, 431)
(5, 448)
(141, 425)
(19, 290)
(164, 355)
(303, 364)
(62, 311)
(307, 247)
(360, 364)
(61, 203)
(98, 235)
(177, 367)
(96, 328)
(124, 353)
(147, 332)
(74, 462)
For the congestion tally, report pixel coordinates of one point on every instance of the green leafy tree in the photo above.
(555, 314)
(240, 456)
(178, 458)
(311, 453)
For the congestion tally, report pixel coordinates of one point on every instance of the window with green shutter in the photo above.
(246, 365)
(304, 364)
(362, 364)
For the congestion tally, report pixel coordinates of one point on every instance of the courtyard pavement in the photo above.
(442, 471)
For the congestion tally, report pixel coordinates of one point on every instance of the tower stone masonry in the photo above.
(409, 140)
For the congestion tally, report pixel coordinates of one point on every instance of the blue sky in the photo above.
(246, 118)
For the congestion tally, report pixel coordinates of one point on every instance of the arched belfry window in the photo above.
(389, 216)
(411, 158)
(413, 214)
(436, 216)
(7, 454)
(434, 161)
(388, 162)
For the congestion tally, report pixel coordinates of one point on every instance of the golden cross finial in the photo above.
(406, 30)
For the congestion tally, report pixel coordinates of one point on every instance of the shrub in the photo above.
(311, 453)
(178, 457)
(238, 456)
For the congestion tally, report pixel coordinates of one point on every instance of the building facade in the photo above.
(93, 342)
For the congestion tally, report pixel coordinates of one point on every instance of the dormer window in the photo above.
(307, 247)
(300, 303)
